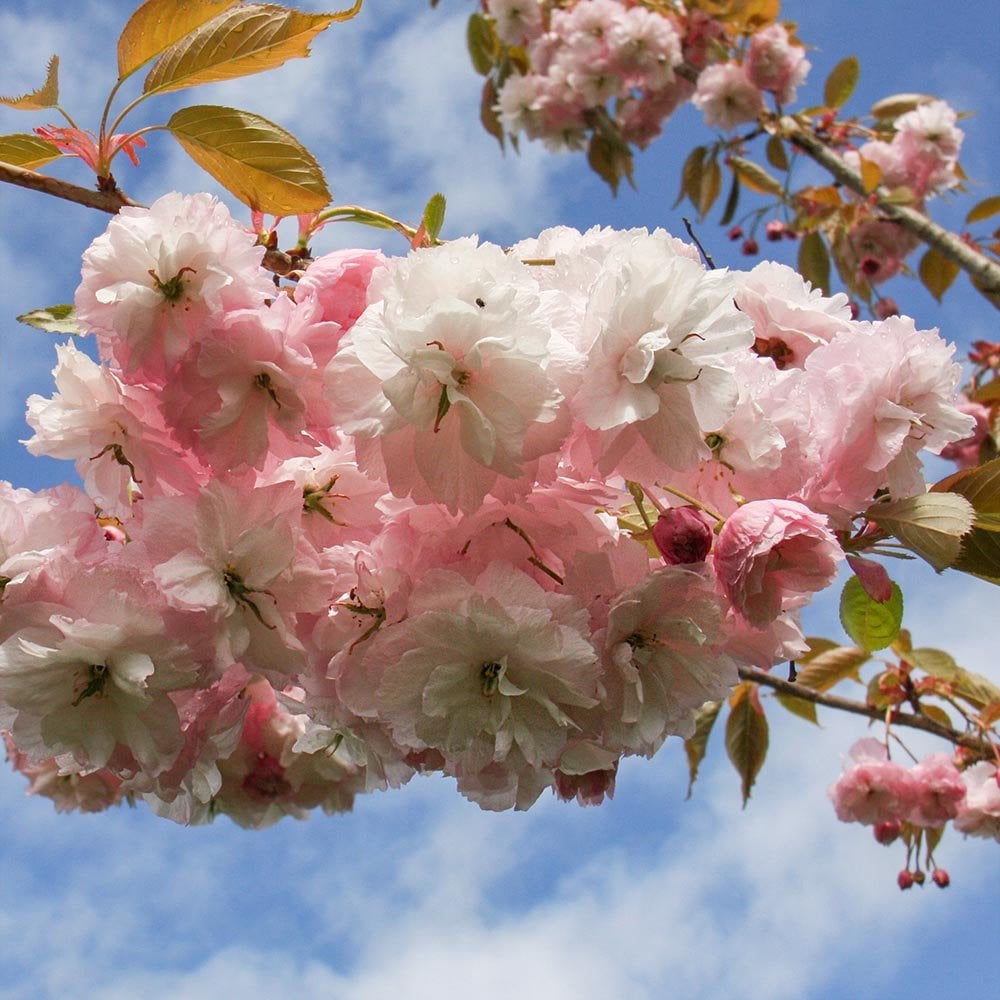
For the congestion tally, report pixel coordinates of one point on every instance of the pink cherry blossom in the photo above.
(771, 555)
(873, 789)
(979, 813)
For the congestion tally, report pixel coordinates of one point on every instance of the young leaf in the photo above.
(870, 623)
(890, 108)
(696, 745)
(797, 706)
(841, 82)
(931, 525)
(47, 95)
(755, 177)
(830, 667)
(53, 319)
(708, 190)
(937, 272)
(28, 151)
(732, 201)
(871, 174)
(986, 208)
(240, 41)
(259, 162)
(157, 24)
(974, 688)
(746, 735)
(776, 155)
(691, 175)
(433, 217)
(814, 261)
(481, 40)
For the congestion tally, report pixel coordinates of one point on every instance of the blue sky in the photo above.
(417, 893)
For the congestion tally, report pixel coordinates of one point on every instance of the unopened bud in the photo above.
(749, 247)
(774, 230)
(887, 831)
(905, 879)
(736, 233)
(919, 878)
(941, 878)
(683, 535)
(885, 308)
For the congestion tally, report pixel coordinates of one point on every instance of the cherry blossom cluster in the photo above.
(893, 799)
(622, 58)
(509, 516)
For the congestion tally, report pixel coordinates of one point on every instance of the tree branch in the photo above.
(104, 201)
(984, 272)
(979, 746)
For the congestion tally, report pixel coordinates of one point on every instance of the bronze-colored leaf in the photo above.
(696, 745)
(746, 735)
(259, 162)
(937, 272)
(984, 209)
(755, 177)
(157, 24)
(46, 96)
(931, 525)
(814, 261)
(25, 150)
(841, 82)
(890, 108)
(240, 41)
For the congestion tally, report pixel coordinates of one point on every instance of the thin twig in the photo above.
(978, 746)
(709, 263)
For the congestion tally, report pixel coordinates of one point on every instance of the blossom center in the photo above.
(490, 674)
(91, 682)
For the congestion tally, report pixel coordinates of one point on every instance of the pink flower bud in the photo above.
(941, 878)
(885, 308)
(887, 831)
(736, 233)
(749, 247)
(683, 535)
(774, 230)
(905, 879)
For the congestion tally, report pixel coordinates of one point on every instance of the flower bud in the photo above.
(774, 230)
(919, 878)
(905, 879)
(736, 233)
(749, 247)
(887, 831)
(885, 308)
(941, 878)
(683, 535)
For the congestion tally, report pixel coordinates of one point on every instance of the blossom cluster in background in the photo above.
(505, 515)
(606, 75)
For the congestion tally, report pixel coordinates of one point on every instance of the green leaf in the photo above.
(746, 735)
(157, 24)
(974, 688)
(696, 746)
(755, 177)
(28, 151)
(240, 41)
(980, 554)
(871, 624)
(259, 162)
(814, 261)
(47, 95)
(841, 82)
(53, 319)
(776, 155)
(988, 522)
(890, 108)
(482, 42)
(433, 217)
(986, 208)
(931, 525)
(937, 272)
